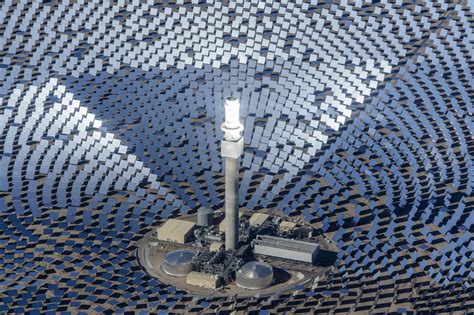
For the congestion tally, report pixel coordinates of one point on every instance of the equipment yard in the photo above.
(287, 274)
(152, 257)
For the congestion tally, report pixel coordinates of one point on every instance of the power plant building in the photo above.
(222, 225)
(203, 280)
(287, 226)
(215, 246)
(257, 219)
(178, 231)
(285, 248)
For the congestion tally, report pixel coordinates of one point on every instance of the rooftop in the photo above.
(285, 243)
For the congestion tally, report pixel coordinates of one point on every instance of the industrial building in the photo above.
(216, 246)
(285, 248)
(222, 224)
(257, 219)
(286, 226)
(203, 280)
(174, 230)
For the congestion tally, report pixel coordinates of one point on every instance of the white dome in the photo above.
(254, 275)
(178, 263)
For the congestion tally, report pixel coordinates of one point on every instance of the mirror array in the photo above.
(358, 117)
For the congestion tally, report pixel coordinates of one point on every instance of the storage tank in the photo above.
(254, 275)
(178, 263)
(205, 217)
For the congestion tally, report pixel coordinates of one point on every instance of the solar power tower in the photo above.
(231, 149)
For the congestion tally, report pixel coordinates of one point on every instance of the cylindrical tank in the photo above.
(178, 263)
(254, 275)
(205, 217)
